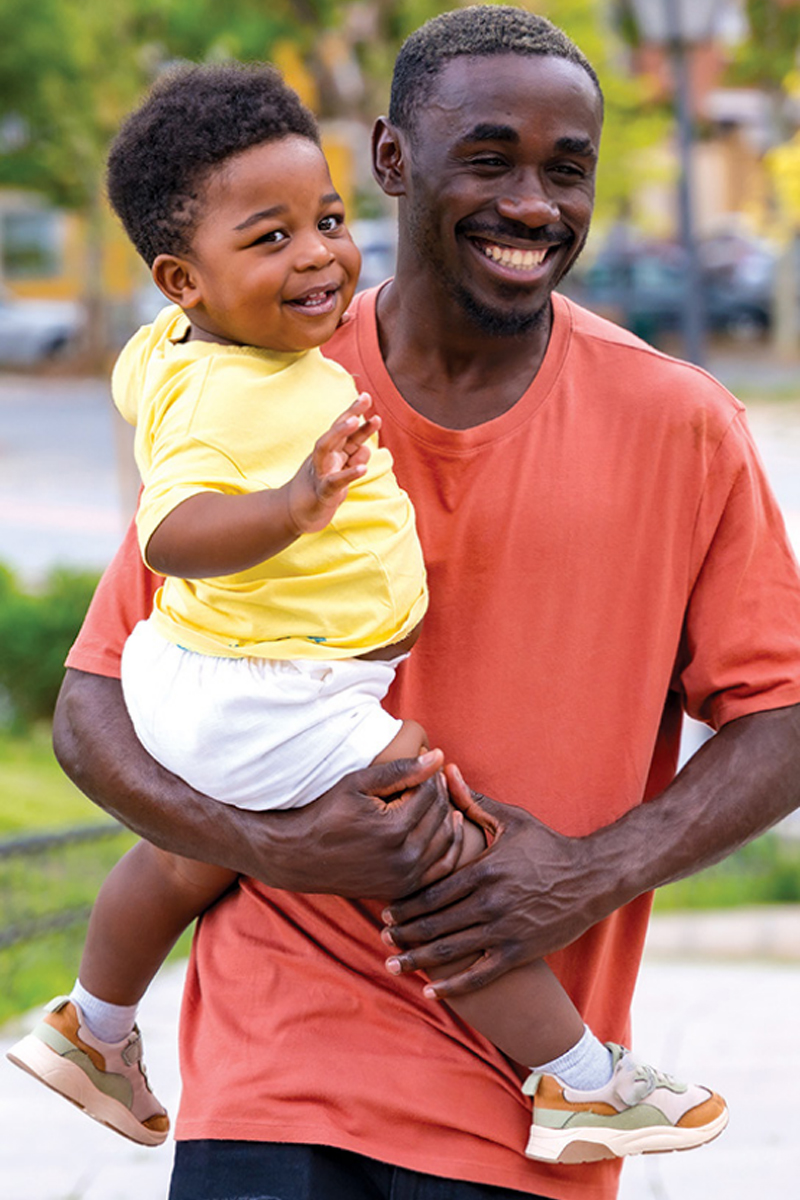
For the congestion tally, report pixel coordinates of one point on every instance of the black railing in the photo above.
(48, 881)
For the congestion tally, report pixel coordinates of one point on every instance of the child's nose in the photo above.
(314, 252)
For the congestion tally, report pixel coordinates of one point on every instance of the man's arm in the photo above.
(349, 842)
(534, 891)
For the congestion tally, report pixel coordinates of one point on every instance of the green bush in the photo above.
(36, 631)
(766, 871)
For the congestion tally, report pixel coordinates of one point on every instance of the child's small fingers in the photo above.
(364, 431)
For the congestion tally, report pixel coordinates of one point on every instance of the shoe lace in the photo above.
(651, 1078)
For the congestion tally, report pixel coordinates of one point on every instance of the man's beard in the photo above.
(495, 322)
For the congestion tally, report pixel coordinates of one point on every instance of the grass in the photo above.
(38, 798)
(765, 872)
(36, 794)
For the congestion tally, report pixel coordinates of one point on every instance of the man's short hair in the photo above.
(194, 118)
(482, 29)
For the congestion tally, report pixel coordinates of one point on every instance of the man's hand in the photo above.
(531, 892)
(381, 832)
(338, 459)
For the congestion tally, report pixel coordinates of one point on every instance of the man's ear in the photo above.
(389, 155)
(176, 278)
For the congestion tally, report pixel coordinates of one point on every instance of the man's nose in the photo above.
(525, 199)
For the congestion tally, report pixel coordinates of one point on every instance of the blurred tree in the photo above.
(767, 60)
(71, 69)
(635, 120)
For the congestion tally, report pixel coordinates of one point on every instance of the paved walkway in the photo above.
(718, 1000)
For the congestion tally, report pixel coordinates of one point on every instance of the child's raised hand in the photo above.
(338, 459)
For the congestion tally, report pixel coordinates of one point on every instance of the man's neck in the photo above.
(446, 368)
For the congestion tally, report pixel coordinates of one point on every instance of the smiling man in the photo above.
(603, 554)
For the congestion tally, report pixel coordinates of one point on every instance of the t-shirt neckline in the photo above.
(380, 382)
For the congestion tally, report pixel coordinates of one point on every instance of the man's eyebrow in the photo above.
(264, 214)
(577, 145)
(487, 132)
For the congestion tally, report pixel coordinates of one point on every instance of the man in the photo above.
(602, 551)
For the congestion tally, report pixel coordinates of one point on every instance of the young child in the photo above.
(295, 584)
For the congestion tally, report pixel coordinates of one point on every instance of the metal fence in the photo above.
(48, 881)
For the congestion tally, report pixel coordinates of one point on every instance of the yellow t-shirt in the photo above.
(237, 419)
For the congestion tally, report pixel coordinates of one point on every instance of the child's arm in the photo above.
(213, 533)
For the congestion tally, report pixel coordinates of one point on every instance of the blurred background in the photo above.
(695, 247)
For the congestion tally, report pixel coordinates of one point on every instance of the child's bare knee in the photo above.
(408, 742)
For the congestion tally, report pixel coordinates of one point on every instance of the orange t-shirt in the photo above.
(600, 555)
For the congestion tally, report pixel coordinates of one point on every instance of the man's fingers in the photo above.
(442, 865)
(486, 969)
(400, 775)
(476, 809)
(426, 915)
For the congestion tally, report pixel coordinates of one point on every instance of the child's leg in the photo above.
(590, 1101)
(526, 1013)
(85, 1047)
(146, 902)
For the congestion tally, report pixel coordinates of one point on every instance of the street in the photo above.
(68, 486)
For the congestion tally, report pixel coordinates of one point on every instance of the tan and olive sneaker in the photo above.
(107, 1080)
(639, 1111)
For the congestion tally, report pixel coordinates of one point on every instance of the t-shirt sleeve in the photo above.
(740, 652)
(187, 446)
(124, 596)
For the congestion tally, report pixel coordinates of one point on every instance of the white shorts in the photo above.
(253, 732)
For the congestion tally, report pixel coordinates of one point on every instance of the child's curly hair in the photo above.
(194, 118)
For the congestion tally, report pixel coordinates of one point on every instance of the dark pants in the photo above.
(207, 1170)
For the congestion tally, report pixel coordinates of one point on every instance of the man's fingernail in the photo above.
(386, 917)
(393, 966)
(386, 937)
(429, 992)
(430, 756)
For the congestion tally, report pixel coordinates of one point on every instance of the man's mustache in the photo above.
(514, 231)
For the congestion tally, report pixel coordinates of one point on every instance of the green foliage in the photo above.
(634, 122)
(36, 631)
(767, 871)
(36, 793)
(769, 54)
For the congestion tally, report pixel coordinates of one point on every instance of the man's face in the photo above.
(500, 187)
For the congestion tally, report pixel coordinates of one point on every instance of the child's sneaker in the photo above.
(107, 1080)
(639, 1111)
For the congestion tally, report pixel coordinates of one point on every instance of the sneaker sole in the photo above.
(590, 1145)
(69, 1081)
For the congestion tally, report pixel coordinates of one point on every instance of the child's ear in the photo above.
(177, 279)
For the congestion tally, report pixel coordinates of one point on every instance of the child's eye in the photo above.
(331, 222)
(271, 238)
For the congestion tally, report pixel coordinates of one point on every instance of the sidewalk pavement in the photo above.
(718, 1002)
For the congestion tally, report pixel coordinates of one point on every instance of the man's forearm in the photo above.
(95, 744)
(739, 784)
(356, 841)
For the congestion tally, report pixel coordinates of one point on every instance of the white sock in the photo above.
(108, 1022)
(585, 1067)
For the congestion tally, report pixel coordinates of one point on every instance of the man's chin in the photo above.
(498, 322)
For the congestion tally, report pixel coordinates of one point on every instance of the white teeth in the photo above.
(314, 298)
(521, 259)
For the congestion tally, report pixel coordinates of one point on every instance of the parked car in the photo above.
(376, 238)
(644, 288)
(33, 331)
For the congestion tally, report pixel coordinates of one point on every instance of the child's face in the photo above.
(273, 262)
